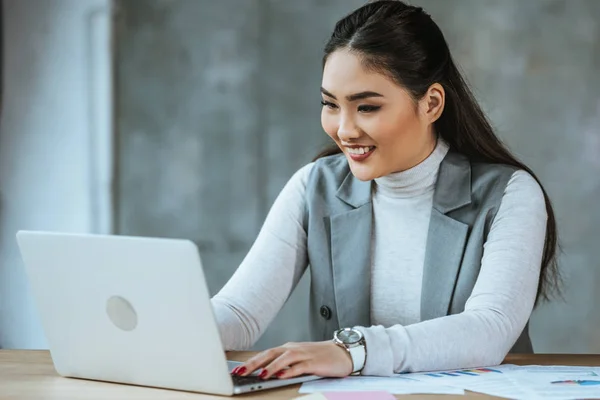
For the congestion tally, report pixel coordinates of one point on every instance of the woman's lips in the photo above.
(356, 154)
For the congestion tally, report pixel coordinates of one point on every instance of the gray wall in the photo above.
(218, 105)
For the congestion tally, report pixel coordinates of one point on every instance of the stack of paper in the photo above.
(508, 381)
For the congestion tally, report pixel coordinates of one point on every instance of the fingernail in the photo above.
(235, 370)
(241, 370)
(263, 373)
(279, 374)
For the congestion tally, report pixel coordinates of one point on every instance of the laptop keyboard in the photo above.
(246, 380)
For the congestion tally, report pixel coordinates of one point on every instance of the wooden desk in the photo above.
(27, 374)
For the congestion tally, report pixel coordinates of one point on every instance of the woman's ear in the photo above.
(432, 103)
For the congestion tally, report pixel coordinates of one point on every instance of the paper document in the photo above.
(493, 381)
(348, 396)
(558, 382)
(314, 396)
(509, 381)
(396, 384)
(521, 382)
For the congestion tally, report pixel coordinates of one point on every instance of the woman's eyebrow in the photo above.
(353, 97)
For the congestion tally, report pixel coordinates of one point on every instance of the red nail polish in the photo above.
(235, 371)
(279, 374)
(263, 373)
(241, 370)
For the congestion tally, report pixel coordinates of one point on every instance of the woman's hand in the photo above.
(324, 359)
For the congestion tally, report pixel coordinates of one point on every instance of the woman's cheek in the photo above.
(329, 124)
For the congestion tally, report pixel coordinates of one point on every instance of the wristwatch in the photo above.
(353, 342)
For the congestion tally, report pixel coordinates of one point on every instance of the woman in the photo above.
(426, 239)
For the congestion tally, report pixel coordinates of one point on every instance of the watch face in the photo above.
(350, 336)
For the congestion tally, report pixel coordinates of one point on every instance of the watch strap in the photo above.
(359, 356)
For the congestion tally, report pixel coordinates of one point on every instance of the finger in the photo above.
(298, 369)
(260, 360)
(289, 358)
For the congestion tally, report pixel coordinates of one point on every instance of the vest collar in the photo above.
(351, 232)
(452, 190)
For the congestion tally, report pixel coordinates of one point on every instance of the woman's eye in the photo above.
(368, 109)
(328, 104)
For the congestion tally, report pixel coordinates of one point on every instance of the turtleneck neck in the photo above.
(417, 180)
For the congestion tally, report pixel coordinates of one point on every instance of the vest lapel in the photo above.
(447, 237)
(351, 232)
(351, 253)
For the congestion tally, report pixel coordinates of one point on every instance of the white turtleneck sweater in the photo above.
(495, 313)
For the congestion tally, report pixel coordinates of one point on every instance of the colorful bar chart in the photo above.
(463, 372)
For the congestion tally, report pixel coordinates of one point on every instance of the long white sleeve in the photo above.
(258, 289)
(498, 308)
(495, 314)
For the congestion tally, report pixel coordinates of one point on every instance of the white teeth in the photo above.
(359, 150)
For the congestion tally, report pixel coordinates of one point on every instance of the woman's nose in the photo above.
(347, 130)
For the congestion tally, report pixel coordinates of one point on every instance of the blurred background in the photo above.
(185, 118)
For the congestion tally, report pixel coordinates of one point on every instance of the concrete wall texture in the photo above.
(218, 105)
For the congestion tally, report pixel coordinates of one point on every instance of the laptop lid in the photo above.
(126, 309)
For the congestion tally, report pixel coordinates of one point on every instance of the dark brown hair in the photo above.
(403, 42)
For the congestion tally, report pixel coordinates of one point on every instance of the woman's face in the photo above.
(377, 124)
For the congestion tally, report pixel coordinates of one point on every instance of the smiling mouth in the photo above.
(359, 154)
(360, 150)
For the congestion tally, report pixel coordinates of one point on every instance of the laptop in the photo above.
(131, 310)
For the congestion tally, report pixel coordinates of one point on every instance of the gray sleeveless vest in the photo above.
(339, 226)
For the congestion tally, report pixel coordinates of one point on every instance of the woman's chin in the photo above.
(362, 172)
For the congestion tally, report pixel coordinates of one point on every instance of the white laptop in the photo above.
(130, 310)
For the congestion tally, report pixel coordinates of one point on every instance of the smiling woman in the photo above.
(428, 243)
